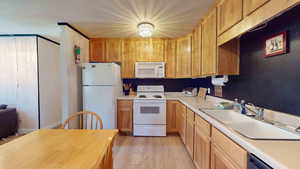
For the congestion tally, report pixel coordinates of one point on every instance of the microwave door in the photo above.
(146, 72)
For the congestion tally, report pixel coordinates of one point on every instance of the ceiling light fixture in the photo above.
(145, 29)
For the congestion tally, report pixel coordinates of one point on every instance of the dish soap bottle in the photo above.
(236, 105)
(243, 107)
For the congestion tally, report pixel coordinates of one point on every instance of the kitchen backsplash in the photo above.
(172, 85)
(272, 82)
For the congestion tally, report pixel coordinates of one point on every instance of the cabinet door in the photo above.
(128, 59)
(209, 44)
(170, 58)
(171, 116)
(158, 48)
(190, 132)
(251, 5)
(230, 12)
(219, 159)
(97, 50)
(184, 57)
(196, 52)
(201, 149)
(181, 112)
(113, 50)
(124, 116)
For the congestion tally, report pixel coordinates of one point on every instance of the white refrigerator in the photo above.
(101, 85)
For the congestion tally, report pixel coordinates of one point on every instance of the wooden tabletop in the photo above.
(57, 149)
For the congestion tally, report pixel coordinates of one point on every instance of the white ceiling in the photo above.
(101, 18)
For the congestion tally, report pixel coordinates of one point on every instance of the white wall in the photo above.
(70, 72)
(49, 84)
(18, 78)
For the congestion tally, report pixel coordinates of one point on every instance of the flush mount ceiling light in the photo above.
(145, 29)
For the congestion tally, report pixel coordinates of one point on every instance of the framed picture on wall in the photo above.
(276, 45)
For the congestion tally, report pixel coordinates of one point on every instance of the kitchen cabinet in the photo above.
(149, 50)
(171, 116)
(220, 160)
(113, 50)
(128, 59)
(170, 58)
(201, 143)
(184, 57)
(158, 49)
(251, 5)
(181, 121)
(209, 44)
(229, 58)
(97, 50)
(260, 15)
(190, 132)
(124, 115)
(229, 12)
(196, 51)
(225, 153)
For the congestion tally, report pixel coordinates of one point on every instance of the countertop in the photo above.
(278, 154)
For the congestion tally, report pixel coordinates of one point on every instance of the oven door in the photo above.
(149, 112)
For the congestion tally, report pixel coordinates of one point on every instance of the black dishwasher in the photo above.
(256, 163)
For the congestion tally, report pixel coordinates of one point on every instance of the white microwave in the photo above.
(150, 69)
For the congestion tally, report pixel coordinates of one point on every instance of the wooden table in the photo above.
(59, 149)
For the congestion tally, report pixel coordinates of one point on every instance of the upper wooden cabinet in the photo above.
(252, 5)
(170, 58)
(229, 58)
(97, 50)
(184, 57)
(158, 49)
(124, 115)
(230, 12)
(196, 52)
(171, 116)
(209, 44)
(113, 50)
(128, 59)
(149, 50)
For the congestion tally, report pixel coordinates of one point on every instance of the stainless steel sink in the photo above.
(252, 128)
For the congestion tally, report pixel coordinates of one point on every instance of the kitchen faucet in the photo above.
(259, 112)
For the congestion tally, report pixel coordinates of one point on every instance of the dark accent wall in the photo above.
(172, 85)
(272, 82)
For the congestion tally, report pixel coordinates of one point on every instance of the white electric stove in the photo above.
(149, 109)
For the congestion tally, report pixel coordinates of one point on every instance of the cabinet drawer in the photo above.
(232, 150)
(203, 125)
(124, 104)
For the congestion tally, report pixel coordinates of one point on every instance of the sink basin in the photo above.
(252, 128)
(262, 131)
(227, 116)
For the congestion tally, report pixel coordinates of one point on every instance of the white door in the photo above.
(99, 99)
(149, 112)
(98, 74)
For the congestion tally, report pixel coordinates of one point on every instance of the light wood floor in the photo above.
(150, 153)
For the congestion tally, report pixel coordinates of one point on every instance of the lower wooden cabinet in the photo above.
(171, 116)
(201, 143)
(219, 159)
(190, 132)
(124, 115)
(226, 154)
(181, 121)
